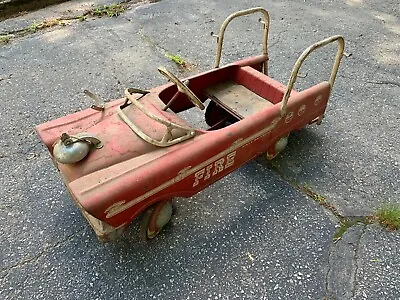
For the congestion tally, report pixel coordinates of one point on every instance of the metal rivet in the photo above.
(289, 117)
(318, 100)
(302, 109)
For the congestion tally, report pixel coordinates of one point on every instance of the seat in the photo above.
(237, 99)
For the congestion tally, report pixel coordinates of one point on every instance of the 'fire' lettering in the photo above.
(218, 166)
(197, 176)
(214, 168)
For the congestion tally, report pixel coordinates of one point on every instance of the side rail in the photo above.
(220, 37)
(168, 139)
(302, 58)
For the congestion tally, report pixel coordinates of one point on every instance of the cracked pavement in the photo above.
(265, 241)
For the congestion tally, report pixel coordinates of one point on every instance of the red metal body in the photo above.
(116, 183)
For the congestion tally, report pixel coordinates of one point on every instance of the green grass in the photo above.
(347, 222)
(342, 229)
(176, 59)
(5, 38)
(33, 27)
(317, 197)
(112, 10)
(389, 216)
(180, 62)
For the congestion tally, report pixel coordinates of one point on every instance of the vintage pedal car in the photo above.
(133, 155)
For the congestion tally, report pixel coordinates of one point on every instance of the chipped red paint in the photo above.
(116, 183)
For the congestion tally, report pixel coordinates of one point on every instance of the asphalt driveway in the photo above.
(257, 233)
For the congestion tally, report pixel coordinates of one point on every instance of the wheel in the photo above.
(182, 87)
(277, 148)
(154, 219)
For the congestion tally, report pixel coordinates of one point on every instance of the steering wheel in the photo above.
(182, 87)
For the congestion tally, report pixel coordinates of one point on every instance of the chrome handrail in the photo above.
(220, 37)
(301, 59)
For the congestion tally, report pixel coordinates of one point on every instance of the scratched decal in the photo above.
(214, 168)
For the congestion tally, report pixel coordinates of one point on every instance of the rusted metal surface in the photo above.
(182, 87)
(173, 133)
(151, 155)
(237, 98)
(220, 37)
(302, 58)
(159, 217)
(71, 149)
(114, 184)
(98, 103)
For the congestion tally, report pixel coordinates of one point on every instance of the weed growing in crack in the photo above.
(347, 222)
(176, 59)
(5, 39)
(320, 199)
(389, 216)
(317, 197)
(33, 27)
(51, 23)
(180, 62)
(112, 10)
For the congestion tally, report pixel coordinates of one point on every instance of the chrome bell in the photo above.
(71, 149)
